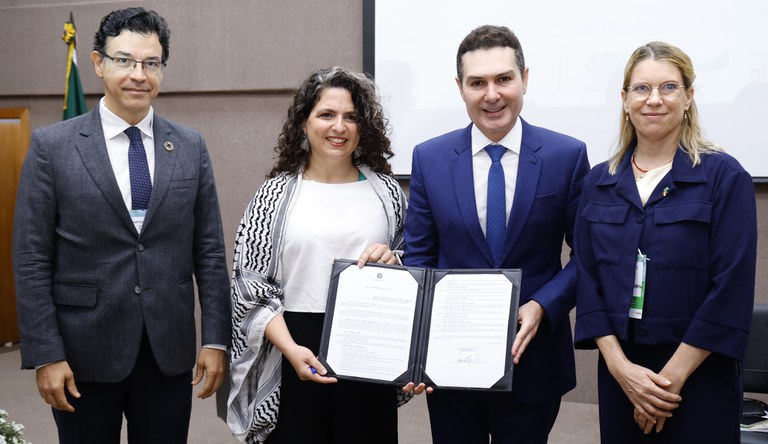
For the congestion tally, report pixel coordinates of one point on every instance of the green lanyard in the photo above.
(638, 290)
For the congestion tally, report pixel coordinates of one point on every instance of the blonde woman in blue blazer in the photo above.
(665, 244)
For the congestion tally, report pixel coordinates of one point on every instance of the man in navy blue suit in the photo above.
(446, 227)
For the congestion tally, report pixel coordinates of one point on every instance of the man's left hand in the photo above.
(529, 317)
(212, 364)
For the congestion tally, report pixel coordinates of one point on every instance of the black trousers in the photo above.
(345, 412)
(156, 407)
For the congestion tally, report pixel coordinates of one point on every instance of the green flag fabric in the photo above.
(74, 99)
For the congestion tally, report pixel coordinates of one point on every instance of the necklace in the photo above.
(635, 164)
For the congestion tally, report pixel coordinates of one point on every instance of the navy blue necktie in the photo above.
(496, 211)
(141, 183)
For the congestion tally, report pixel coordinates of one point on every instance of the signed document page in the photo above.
(469, 330)
(373, 318)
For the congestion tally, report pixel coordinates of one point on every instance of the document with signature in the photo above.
(446, 328)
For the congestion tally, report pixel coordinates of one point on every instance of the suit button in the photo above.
(640, 219)
(140, 247)
(642, 330)
(137, 289)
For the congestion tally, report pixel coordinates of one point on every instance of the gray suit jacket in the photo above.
(87, 283)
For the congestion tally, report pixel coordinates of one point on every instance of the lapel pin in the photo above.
(168, 145)
(665, 192)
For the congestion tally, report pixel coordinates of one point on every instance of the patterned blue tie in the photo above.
(496, 211)
(141, 183)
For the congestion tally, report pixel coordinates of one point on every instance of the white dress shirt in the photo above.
(481, 164)
(117, 147)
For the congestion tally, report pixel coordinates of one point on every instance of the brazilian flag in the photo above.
(74, 99)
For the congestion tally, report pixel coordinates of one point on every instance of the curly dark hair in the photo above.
(375, 148)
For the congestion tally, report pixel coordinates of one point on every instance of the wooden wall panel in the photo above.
(14, 141)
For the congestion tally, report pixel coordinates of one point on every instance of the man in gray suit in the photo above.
(116, 212)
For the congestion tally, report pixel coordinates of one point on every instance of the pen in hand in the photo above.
(397, 254)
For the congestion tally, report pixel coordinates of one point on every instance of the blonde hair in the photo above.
(692, 139)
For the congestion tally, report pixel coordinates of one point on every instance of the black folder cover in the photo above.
(419, 347)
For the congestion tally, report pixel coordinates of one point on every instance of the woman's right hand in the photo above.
(650, 393)
(646, 390)
(301, 358)
(307, 366)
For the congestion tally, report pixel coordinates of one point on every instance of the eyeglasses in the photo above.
(642, 91)
(150, 66)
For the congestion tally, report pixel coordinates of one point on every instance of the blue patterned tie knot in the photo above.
(496, 209)
(495, 152)
(141, 183)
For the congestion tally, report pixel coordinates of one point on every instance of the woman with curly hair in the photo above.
(329, 195)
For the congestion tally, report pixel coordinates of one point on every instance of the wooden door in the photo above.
(14, 141)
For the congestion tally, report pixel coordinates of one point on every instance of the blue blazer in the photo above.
(442, 231)
(699, 231)
(87, 283)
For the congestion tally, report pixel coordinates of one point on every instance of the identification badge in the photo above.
(638, 290)
(137, 216)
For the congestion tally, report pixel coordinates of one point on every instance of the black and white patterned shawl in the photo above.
(257, 296)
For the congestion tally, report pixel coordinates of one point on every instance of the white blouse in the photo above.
(326, 222)
(647, 182)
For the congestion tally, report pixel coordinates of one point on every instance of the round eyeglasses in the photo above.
(642, 91)
(150, 66)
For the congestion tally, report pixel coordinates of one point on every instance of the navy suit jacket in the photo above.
(442, 230)
(87, 283)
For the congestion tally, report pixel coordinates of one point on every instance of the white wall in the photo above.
(576, 52)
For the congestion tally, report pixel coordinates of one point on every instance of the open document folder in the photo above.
(446, 328)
